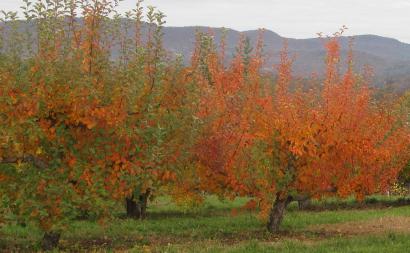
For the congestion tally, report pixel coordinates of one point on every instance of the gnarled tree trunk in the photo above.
(137, 208)
(277, 212)
(50, 240)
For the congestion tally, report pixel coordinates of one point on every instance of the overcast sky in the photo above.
(289, 18)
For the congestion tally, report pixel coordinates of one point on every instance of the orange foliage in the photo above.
(325, 140)
(225, 103)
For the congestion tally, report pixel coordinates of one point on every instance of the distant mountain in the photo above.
(389, 58)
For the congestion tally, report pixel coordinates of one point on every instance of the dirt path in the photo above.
(399, 224)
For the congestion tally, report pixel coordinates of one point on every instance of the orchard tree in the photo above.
(321, 141)
(79, 131)
(159, 107)
(226, 96)
(292, 142)
(403, 108)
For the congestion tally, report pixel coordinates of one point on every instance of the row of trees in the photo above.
(83, 130)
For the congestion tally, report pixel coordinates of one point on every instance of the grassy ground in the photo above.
(337, 227)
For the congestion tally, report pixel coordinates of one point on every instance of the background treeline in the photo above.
(81, 132)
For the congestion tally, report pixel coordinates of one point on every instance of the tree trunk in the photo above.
(50, 240)
(143, 200)
(304, 204)
(132, 208)
(137, 208)
(277, 212)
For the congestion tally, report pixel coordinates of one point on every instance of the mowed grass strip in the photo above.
(391, 242)
(208, 227)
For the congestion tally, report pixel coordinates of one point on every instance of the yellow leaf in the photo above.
(39, 151)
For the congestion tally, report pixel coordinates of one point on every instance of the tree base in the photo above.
(50, 240)
(277, 212)
(137, 209)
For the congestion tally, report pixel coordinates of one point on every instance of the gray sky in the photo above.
(289, 18)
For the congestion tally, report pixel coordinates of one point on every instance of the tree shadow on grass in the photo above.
(368, 203)
(202, 213)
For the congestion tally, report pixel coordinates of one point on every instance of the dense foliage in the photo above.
(83, 130)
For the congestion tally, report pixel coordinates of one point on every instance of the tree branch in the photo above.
(36, 161)
(303, 197)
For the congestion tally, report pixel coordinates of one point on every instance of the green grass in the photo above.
(386, 243)
(212, 228)
(371, 202)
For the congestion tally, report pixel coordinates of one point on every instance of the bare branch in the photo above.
(36, 161)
